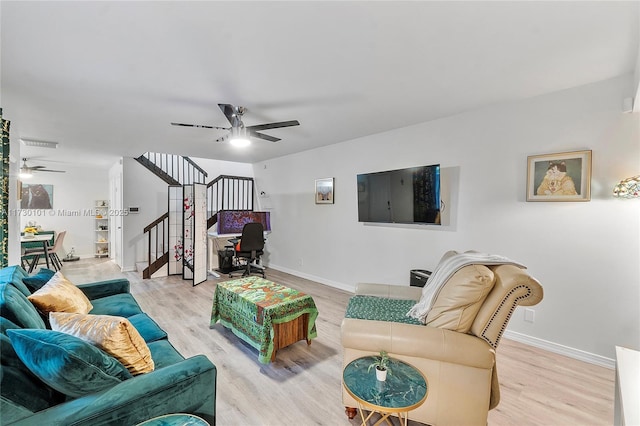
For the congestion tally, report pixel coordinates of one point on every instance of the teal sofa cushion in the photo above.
(119, 305)
(148, 328)
(7, 354)
(14, 275)
(17, 383)
(26, 390)
(35, 282)
(15, 307)
(164, 354)
(66, 363)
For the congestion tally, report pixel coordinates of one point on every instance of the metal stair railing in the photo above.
(223, 193)
(228, 193)
(157, 248)
(173, 169)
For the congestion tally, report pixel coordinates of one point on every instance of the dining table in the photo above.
(44, 239)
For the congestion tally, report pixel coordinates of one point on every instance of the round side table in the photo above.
(179, 419)
(404, 390)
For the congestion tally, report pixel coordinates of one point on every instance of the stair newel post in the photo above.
(148, 255)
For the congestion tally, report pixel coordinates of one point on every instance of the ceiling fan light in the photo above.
(239, 137)
(240, 142)
(24, 174)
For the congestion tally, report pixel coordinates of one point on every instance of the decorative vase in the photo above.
(29, 235)
(381, 375)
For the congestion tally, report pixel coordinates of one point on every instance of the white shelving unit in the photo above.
(101, 241)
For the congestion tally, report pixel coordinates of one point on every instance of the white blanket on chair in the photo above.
(448, 266)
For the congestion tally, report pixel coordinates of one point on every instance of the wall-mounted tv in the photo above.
(410, 195)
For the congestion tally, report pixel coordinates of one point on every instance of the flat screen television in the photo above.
(410, 195)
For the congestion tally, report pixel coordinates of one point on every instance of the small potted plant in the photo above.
(381, 364)
(30, 231)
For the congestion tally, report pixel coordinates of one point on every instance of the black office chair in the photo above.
(250, 248)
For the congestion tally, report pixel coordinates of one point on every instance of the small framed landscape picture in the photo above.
(564, 176)
(324, 191)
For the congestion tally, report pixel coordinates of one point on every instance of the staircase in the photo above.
(223, 193)
(173, 169)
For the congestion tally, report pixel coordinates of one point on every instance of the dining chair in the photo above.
(52, 252)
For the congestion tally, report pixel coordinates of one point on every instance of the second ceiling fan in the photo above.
(27, 171)
(239, 134)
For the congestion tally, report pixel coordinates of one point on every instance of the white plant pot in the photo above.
(381, 375)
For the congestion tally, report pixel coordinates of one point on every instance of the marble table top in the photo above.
(404, 389)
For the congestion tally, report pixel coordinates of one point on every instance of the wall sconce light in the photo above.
(628, 188)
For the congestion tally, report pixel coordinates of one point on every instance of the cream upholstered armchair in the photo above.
(455, 350)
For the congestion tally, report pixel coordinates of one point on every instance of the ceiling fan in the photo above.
(239, 134)
(27, 171)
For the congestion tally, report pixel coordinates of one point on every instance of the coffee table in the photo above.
(404, 390)
(266, 315)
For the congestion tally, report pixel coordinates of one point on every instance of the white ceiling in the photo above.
(105, 79)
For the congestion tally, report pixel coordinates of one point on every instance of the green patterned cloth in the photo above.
(380, 309)
(250, 306)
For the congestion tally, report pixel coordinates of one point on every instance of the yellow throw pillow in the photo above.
(459, 300)
(60, 295)
(114, 335)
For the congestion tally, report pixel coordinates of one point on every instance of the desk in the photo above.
(266, 315)
(404, 390)
(44, 239)
(217, 242)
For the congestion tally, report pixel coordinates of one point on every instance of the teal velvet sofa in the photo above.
(177, 385)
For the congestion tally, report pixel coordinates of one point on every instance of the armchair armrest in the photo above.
(418, 341)
(105, 288)
(389, 291)
(188, 386)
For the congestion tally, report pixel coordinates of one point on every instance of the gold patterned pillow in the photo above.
(60, 295)
(114, 335)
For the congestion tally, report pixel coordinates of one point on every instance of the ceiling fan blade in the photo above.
(263, 136)
(229, 111)
(274, 125)
(51, 171)
(199, 126)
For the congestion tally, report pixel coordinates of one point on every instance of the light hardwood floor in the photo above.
(302, 387)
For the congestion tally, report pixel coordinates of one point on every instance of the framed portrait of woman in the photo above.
(564, 176)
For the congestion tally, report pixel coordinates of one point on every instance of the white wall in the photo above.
(585, 254)
(143, 189)
(74, 195)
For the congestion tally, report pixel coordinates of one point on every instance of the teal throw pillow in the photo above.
(67, 363)
(36, 281)
(19, 384)
(15, 307)
(14, 275)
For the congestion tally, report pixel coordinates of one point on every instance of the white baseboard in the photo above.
(561, 349)
(321, 280)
